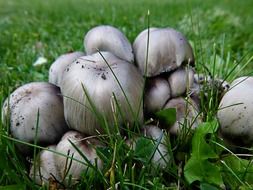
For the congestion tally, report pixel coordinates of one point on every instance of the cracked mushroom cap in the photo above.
(186, 114)
(108, 38)
(32, 103)
(90, 83)
(58, 66)
(78, 165)
(167, 50)
(44, 168)
(235, 112)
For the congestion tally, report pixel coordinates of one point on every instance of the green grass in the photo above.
(221, 33)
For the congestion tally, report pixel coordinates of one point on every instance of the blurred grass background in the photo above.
(33, 28)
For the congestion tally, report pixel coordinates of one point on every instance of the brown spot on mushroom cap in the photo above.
(60, 64)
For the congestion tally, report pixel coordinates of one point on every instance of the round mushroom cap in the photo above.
(187, 116)
(157, 93)
(93, 88)
(59, 65)
(167, 50)
(108, 38)
(44, 168)
(181, 80)
(36, 105)
(236, 110)
(78, 164)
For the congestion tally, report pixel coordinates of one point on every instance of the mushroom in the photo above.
(44, 170)
(167, 50)
(157, 93)
(35, 108)
(108, 38)
(95, 87)
(235, 112)
(181, 80)
(71, 163)
(160, 157)
(59, 65)
(186, 114)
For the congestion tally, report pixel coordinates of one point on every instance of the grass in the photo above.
(220, 31)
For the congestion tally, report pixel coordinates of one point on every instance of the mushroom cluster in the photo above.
(165, 57)
(100, 91)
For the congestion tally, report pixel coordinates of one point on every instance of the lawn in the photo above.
(219, 31)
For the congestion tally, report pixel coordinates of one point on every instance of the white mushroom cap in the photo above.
(58, 66)
(101, 86)
(157, 92)
(24, 104)
(44, 168)
(181, 80)
(186, 114)
(75, 168)
(167, 50)
(161, 156)
(236, 110)
(108, 38)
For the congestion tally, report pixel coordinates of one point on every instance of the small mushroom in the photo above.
(44, 168)
(157, 93)
(235, 112)
(108, 38)
(93, 88)
(59, 65)
(71, 163)
(181, 80)
(167, 50)
(161, 156)
(186, 114)
(35, 106)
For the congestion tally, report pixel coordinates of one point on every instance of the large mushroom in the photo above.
(58, 66)
(108, 38)
(70, 162)
(36, 113)
(235, 112)
(167, 50)
(101, 85)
